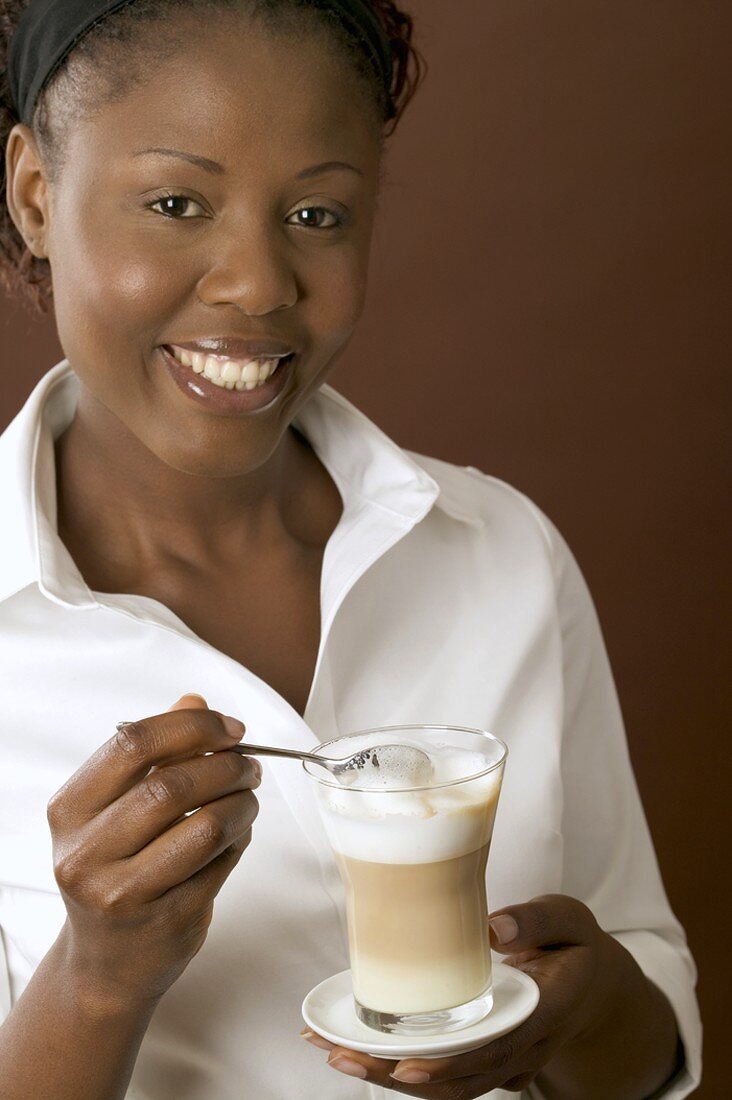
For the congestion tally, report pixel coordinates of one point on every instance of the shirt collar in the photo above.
(363, 461)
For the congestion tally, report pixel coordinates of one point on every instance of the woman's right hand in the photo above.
(137, 876)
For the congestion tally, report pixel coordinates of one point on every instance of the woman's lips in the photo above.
(228, 402)
(238, 348)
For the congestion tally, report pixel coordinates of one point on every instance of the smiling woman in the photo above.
(150, 31)
(191, 187)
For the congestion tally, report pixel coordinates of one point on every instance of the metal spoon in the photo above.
(413, 763)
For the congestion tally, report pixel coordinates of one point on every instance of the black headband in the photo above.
(48, 30)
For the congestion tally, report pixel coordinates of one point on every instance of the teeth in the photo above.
(228, 373)
(212, 369)
(231, 372)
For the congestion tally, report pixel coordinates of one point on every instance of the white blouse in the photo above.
(447, 597)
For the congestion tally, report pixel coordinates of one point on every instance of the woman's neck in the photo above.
(122, 509)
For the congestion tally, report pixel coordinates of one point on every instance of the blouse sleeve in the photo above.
(609, 859)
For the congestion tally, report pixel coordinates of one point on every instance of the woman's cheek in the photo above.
(129, 281)
(106, 285)
(133, 283)
(339, 292)
(111, 308)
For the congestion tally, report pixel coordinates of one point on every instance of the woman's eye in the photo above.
(176, 206)
(312, 217)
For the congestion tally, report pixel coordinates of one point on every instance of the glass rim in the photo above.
(332, 782)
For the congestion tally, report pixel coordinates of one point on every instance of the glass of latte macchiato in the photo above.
(413, 861)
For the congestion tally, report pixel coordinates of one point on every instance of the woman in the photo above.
(192, 185)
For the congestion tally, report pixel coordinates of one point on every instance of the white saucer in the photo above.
(329, 1010)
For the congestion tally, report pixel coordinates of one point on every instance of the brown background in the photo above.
(546, 304)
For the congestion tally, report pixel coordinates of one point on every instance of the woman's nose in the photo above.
(254, 274)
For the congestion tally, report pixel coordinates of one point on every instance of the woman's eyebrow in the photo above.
(327, 166)
(212, 166)
(217, 169)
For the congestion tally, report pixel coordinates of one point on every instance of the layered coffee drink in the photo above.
(413, 862)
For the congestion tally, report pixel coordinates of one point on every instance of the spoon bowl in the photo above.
(375, 765)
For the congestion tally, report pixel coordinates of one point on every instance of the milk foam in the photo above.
(421, 826)
(386, 767)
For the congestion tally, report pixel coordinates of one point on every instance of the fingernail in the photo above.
(349, 1066)
(410, 1076)
(233, 727)
(316, 1040)
(257, 769)
(505, 928)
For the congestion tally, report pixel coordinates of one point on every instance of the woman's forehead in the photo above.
(240, 88)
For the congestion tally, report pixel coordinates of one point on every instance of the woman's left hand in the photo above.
(583, 976)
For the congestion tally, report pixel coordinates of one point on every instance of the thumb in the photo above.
(191, 701)
(553, 920)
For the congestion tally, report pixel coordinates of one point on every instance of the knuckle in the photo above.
(129, 741)
(208, 832)
(55, 808)
(113, 897)
(157, 791)
(69, 870)
(168, 787)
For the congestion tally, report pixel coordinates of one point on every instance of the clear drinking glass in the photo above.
(413, 863)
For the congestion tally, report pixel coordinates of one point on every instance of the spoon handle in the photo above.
(247, 749)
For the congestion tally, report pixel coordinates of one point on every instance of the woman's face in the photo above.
(232, 256)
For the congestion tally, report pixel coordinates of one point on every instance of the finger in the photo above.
(136, 747)
(354, 1063)
(201, 889)
(164, 796)
(504, 1057)
(190, 701)
(316, 1040)
(377, 1071)
(191, 844)
(549, 921)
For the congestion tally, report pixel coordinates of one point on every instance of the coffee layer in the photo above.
(418, 932)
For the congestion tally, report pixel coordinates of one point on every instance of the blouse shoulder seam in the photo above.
(541, 521)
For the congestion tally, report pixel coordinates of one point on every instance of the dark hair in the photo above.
(89, 73)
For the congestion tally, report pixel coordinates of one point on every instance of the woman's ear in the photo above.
(27, 189)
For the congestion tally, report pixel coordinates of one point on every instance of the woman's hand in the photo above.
(586, 980)
(137, 875)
